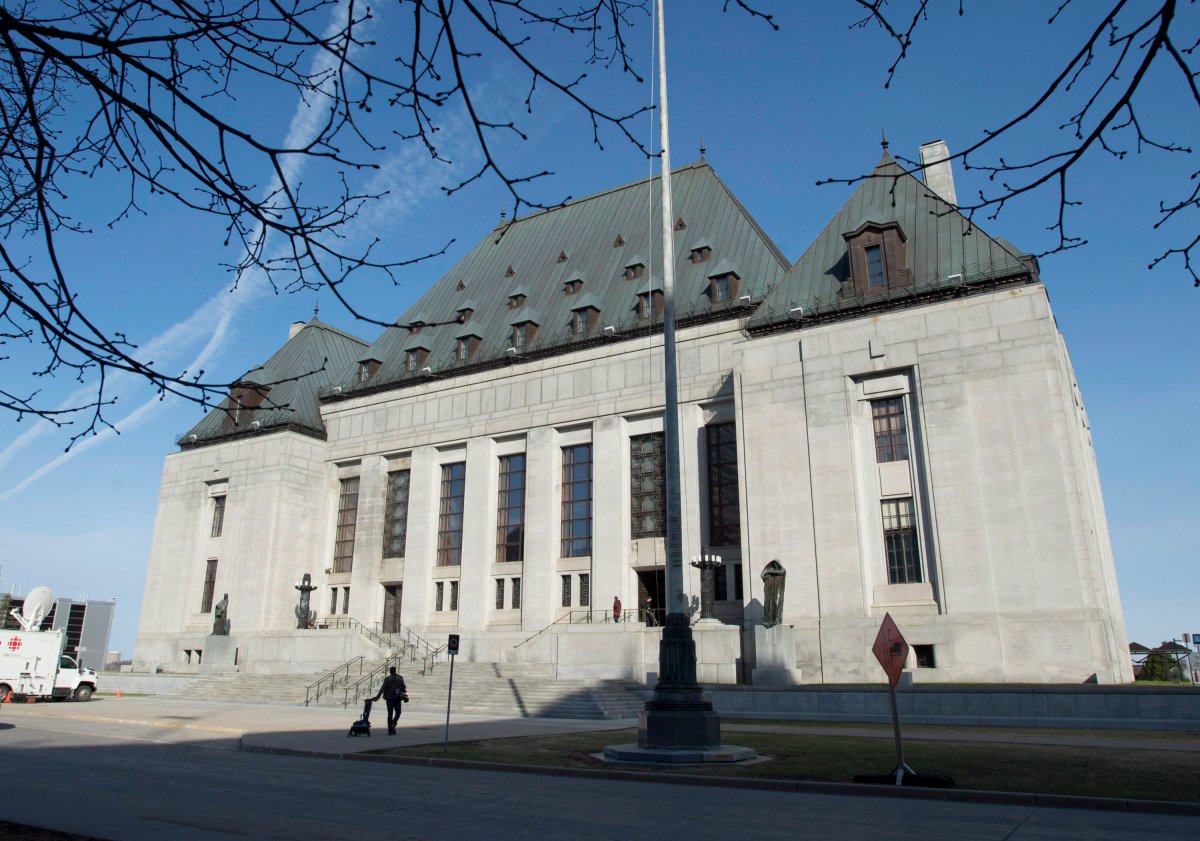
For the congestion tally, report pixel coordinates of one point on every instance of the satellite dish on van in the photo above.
(37, 605)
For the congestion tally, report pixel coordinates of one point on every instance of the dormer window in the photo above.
(573, 287)
(465, 314)
(414, 359)
(245, 399)
(367, 368)
(722, 288)
(523, 334)
(635, 270)
(415, 327)
(517, 299)
(649, 304)
(465, 347)
(723, 282)
(584, 320)
(700, 252)
(876, 256)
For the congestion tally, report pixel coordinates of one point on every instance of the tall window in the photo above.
(333, 591)
(516, 594)
(577, 501)
(891, 432)
(454, 595)
(210, 585)
(343, 543)
(876, 277)
(450, 517)
(585, 589)
(900, 542)
(439, 598)
(218, 523)
(566, 591)
(395, 520)
(724, 516)
(647, 486)
(345, 600)
(499, 594)
(510, 509)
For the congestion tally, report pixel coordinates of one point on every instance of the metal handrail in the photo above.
(431, 660)
(368, 680)
(353, 624)
(404, 644)
(314, 691)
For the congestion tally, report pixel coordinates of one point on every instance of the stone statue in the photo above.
(305, 618)
(773, 576)
(221, 617)
(708, 566)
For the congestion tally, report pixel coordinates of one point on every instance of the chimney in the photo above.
(935, 166)
(294, 329)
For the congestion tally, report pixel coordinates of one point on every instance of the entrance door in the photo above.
(652, 584)
(391, 607)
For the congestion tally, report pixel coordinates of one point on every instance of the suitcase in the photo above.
(362, 727)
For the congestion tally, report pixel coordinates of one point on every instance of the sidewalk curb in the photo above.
(1003, 798)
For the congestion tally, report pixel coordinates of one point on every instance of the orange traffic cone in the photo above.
(7, 698)
(118, 693)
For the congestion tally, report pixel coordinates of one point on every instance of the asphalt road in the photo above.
(131, 782)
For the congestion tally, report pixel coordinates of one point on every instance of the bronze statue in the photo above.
(305, 618)
(773, 576)
(221, 617)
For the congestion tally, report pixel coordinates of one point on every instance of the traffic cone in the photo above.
(118, 693)
(7, 698)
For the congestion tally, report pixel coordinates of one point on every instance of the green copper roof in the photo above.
(292, 377)
(944, 251)
(600, 236)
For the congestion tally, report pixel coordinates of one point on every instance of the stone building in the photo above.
(894, 418)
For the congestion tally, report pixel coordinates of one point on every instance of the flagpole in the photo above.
(677, 717)
(676, 601)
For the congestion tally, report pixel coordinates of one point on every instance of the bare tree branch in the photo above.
(1108, 73)
(151, 95)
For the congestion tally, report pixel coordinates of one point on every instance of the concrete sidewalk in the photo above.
(291, 728)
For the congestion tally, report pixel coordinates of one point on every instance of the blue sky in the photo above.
(777, 111)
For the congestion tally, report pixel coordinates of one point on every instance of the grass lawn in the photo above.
(1121, 772)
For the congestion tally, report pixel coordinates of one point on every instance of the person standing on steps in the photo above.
(394, 694)
(616, 608)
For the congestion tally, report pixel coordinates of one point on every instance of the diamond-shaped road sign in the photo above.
(890, 649)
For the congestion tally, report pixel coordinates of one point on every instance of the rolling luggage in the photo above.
(362, 727)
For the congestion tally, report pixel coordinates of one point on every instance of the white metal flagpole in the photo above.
(676, 601)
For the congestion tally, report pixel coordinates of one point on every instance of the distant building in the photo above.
(894, 418)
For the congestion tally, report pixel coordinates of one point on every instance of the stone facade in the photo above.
(984, 535)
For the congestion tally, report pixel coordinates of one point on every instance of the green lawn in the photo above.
(1121, 772)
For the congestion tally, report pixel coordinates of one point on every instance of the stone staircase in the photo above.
(521, 690)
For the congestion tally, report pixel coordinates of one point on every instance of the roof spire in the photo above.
(702, 149)
(884, 141)
(316, 308)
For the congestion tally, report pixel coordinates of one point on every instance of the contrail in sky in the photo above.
(212, 319)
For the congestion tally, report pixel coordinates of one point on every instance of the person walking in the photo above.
(616, 608)
(651, 619)
(394, 694)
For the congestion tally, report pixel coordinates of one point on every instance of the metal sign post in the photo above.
(452, 650)
(891, 650)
